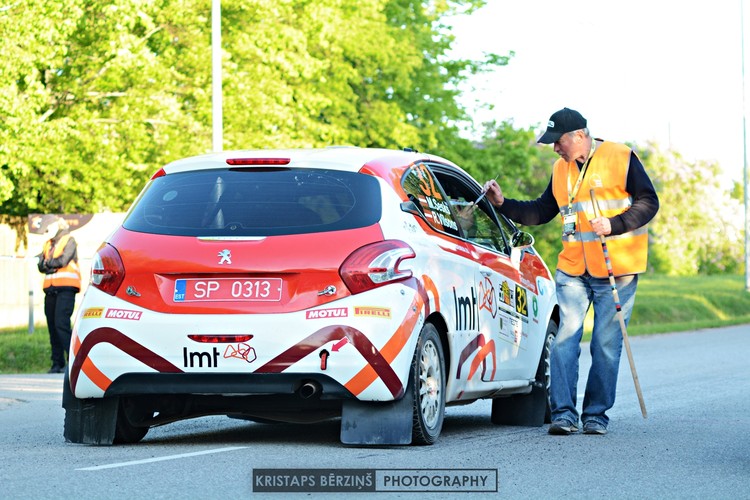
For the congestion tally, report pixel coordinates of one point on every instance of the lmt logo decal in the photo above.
(373, 312)
(334, 312)
(123, 314)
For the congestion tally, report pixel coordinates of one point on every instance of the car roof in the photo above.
(349, 158)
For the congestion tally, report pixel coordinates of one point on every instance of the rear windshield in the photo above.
(256, 202)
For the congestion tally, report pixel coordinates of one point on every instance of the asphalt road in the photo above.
(694, 443)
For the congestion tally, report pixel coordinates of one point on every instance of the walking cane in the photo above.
(616, 296)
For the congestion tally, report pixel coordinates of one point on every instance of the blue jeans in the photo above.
(575, 295)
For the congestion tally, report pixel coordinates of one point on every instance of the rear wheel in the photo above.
(427, 384)
(127, 430)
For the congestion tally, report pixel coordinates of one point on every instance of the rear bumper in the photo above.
(305, 385)
(354, 353)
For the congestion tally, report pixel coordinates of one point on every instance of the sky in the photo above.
(666, 71)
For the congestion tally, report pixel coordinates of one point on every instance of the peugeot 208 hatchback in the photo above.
(301, 285)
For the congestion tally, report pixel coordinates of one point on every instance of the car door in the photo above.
(502, 298)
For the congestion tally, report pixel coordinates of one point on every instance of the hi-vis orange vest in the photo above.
(606, 174)
(69, 275)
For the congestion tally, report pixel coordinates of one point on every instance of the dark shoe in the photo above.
(562, 428)
(594, 428)
(56, 369)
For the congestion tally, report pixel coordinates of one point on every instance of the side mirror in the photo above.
(519, 244)
(521, 239)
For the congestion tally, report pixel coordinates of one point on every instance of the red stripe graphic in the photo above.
(334, 333)
(127, 345)
(477, 343)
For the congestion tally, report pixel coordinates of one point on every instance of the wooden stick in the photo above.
(616, 296)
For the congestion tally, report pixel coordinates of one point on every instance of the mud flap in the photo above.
(89, 421)
(521, 409)
(372, 423)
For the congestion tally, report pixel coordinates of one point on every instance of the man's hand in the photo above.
(465, 216)
(601, 226)
(494, 193)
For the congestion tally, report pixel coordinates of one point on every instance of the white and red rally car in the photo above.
(301, 285)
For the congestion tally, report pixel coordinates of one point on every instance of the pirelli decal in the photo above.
(373, 312)
(93, 312)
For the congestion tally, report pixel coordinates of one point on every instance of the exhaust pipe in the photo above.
(308, 389)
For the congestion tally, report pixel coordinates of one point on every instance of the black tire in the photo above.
(88, 421)
(427, 385)
(543, 370)
(529, 409)
(125, 431)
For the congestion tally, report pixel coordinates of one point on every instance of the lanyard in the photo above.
(572, 194)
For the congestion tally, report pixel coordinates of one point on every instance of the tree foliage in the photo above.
(96, 95)
(93, 108)
(698, 229)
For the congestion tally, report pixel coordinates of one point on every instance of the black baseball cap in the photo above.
(561, 122)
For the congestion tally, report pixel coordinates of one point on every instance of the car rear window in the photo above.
(256, 202)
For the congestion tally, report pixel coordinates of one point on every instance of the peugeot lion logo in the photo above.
(226, 257)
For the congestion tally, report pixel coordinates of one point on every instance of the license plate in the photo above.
(228, 289)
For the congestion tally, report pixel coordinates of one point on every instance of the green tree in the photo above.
(95, 95)
(98, 103)
(698, 229)
(367, 73)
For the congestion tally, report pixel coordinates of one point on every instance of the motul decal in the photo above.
(93, 312)
(334, 312)
(123, 314)
(373, 312)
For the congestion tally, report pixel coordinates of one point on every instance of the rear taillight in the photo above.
(107, 271)
(376, 265)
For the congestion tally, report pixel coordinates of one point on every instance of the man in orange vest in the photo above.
(62, 281)
(628, 201)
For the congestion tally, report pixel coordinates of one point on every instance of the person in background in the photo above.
(627, 197)
(62, 281)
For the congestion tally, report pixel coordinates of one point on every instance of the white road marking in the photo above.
(160, 459)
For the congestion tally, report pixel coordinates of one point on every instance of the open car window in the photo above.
(477, 224)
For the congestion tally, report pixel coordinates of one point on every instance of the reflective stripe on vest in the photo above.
(69, 275)
(607, 175)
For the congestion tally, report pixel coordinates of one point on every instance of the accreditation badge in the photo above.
(569, 221)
